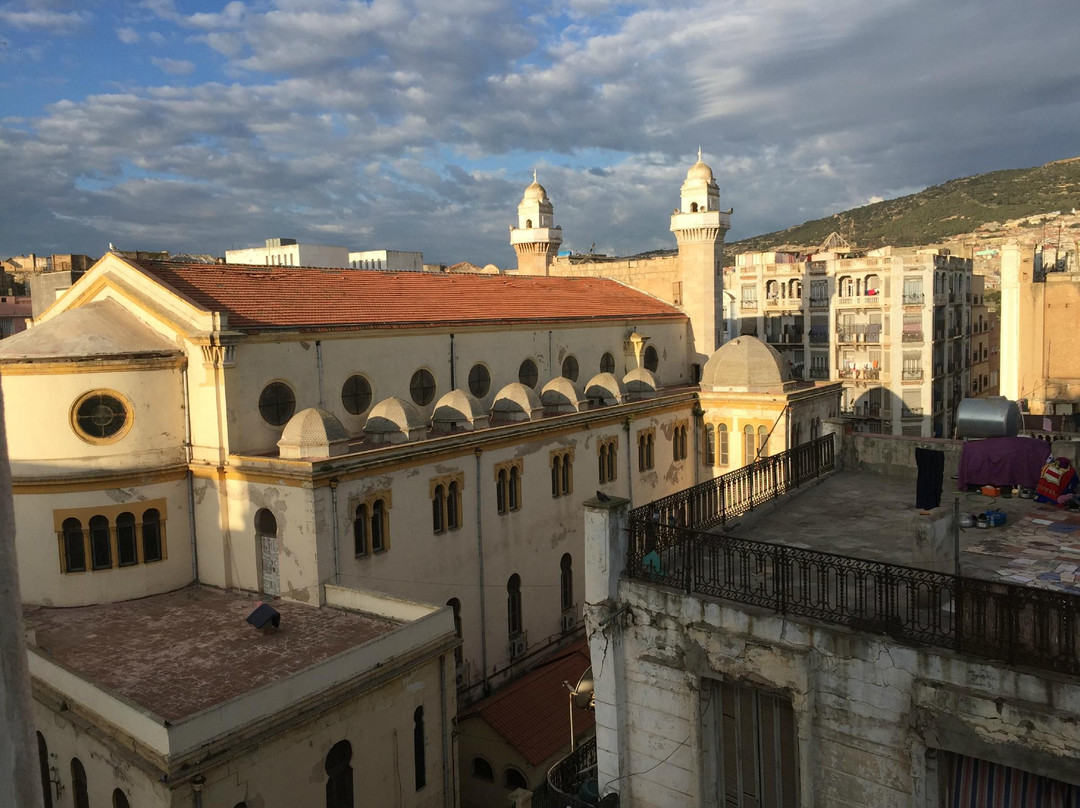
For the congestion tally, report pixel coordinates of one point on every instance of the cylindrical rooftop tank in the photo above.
(993, 417)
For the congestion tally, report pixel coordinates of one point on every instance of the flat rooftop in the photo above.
(873, 516)
(183, 652)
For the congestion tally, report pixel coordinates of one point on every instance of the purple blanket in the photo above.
(1002, 461)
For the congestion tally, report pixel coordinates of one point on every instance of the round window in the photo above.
(101, 416)
(479, 380)
(277, 403)
(527, 374)
(607, 363)
(356, 394)
(422, 387)
(652, 359)
(570, 368)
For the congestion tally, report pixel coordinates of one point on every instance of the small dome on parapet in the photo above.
(605, 389)
(562, 395)
(641, 383)
(313, 433)
(458, 409)
(745, 364)
(516, 402)
(394, 420)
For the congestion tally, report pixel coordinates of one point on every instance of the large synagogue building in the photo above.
(395, 462)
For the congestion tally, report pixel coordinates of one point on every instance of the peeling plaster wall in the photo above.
(867, 709)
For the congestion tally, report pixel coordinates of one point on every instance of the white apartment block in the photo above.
(893, 324)
(390, 260)
(287, 252)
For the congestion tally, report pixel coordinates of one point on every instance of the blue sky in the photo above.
(412, 124)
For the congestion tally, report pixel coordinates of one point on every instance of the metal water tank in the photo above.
(993, 417)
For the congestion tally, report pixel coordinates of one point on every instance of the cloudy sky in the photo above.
(414, 124)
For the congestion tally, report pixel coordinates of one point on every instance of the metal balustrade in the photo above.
(564, 779)
(669, 547)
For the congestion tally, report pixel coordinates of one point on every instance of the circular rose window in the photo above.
(101, 416)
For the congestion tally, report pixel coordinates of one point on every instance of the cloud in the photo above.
(32, 18)
(129, 36)
(174, 67)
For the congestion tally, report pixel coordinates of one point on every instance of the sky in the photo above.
(416, 125)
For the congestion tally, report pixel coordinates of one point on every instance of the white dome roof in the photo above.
(459, 408)
(394, 419)
(745, 364)
(700, 171)
(562, 395)
(516, 402)
(313, 433)
(535, 191)
(641, 383)
(605, 388)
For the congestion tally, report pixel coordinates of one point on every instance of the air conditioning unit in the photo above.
(517, 646)
(567, 621)
(461, 678)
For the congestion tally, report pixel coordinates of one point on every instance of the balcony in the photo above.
(912, 336)
(819, 373)
(565, 780)
(819, 337)
(748, 304)
(911, 412)
(860, 374)
(819, 302)
(911, 375)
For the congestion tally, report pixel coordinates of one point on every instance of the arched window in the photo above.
(151, 535)
(74, 546)
(43, 766)
(570, 368)
(127, 552)
(513, 605)
(419, 768)
(763, 441)
(528, 223)
(710, 445)
(100, 543)
(722, 432)
(650, 442)
(482, 770)
(567, 470)
(453, 511)
(514, 489)
(455, 604)
(500, 491)
(79, 793)
(513, 779)
(612, 458)
(360, 530)
(378, 526)
(693, 207)
(119, 799)
(556, 475)
(652, 359)
(339, 779)
(438, 515)
(566, 583)
(681, 434)
(607, 363)
(748, 445)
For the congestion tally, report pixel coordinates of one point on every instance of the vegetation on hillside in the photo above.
(941, 212)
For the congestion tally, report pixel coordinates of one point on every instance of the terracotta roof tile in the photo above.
(532, 714)
(256, 297)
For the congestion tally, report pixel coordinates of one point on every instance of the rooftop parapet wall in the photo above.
(894, 455)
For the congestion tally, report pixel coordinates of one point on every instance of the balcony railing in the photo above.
(748, 304)
(819, 302)
(819, 373)
(1016, 624)
(911, 375)
(912, 336)
(715, 501)
(564, 779)
(868, 374)
(914, 300)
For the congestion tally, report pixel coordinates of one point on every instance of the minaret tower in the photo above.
(699, 227)
(536, 239)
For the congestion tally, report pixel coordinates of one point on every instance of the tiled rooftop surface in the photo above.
(185, 651)
(874, 516)
(533, 713)
(302, 297)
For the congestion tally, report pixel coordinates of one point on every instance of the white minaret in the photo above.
(699, 227)
(536, 239)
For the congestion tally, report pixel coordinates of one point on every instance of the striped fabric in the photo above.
(974, 783)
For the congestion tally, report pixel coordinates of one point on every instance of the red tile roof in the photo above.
(533, 713)
(257, 297)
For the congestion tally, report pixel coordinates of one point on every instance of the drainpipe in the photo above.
(551, 357)
(447, 746)
(318, 363)
(334, 523)
(453, 369)
(629, 463)
(190, 476)
(197, 783)
(480, 563)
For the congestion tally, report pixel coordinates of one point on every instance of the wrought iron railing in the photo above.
(715, 501)
(1016, 624)
(562, 788)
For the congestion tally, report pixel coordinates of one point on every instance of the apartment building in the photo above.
(893, 324)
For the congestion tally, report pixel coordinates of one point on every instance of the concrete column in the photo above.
(20, 782)
(606, 542)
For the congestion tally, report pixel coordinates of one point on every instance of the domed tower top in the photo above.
(536, 239)
(699, 191)
(535, 209)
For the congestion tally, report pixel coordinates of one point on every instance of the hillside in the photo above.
(984, 202)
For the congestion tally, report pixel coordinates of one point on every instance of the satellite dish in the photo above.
(583, 693)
